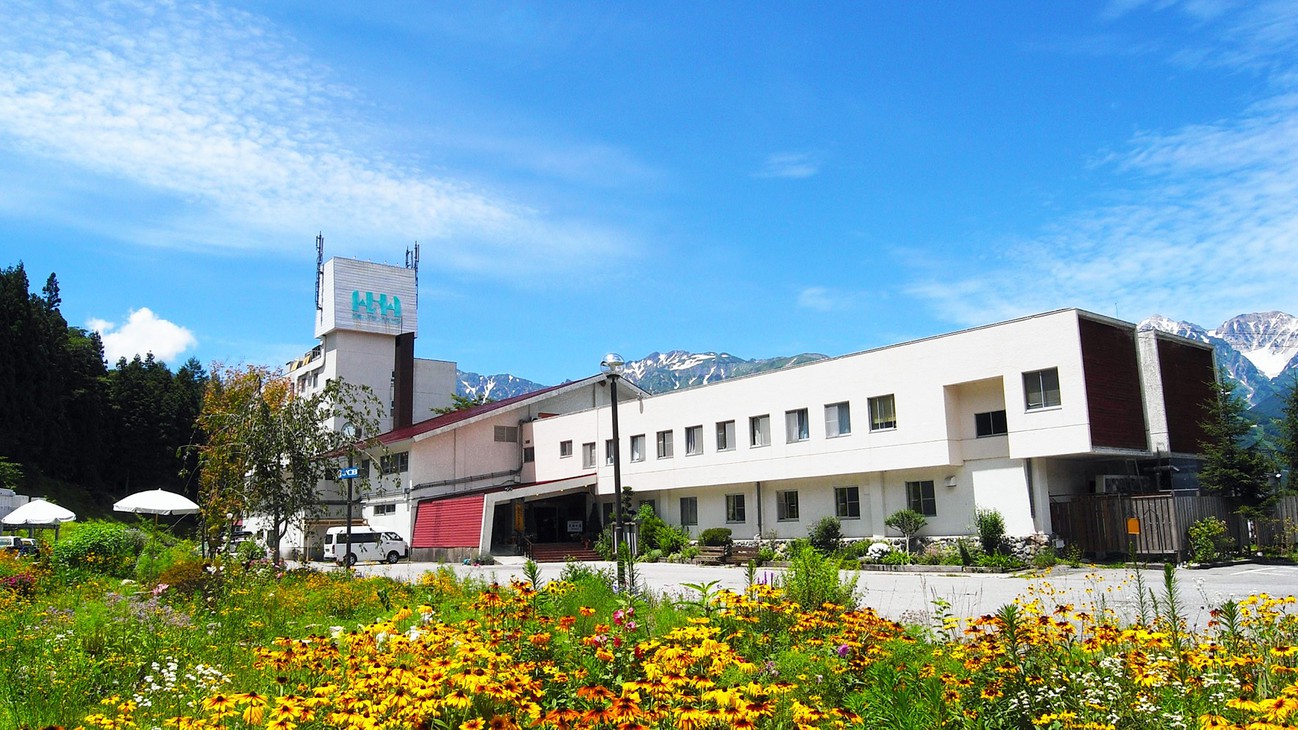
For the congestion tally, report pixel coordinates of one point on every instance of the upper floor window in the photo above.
(991, 423)
(506, 434)
(565, 449)
(1041, 388)
(693, 440)
(394, 463)
(797, 426)
(610, 446)
(637, 448)
(759, 431)
(725, 435)
(664, 444)
(588, 455)
(883, 412)
(838, 420)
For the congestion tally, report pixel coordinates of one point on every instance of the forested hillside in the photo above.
(76, 430)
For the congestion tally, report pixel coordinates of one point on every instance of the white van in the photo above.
(367, 544)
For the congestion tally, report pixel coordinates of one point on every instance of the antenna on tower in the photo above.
(412, 262)
(319, 270)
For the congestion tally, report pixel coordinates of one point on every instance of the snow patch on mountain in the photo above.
(1268, 339)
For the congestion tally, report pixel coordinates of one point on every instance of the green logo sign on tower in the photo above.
(385, 309)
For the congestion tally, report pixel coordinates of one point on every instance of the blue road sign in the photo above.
(349, 473)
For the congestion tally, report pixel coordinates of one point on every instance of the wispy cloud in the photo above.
(142, 333)
(793, 165)
(215, 112)
(1205, 217)
(823, 299)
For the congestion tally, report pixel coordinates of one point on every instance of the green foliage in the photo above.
(907, 522)
(998, 560)
(249, 550)
(1046, 557)
(108, 548)
(1287, 425)
(813, 579)
(715, 536)
(532, 572)
(159, 554)
(990, 525)
(463, 403)
(897, 557)
(189, 576)
(604, 543)
(656, 534)
(826, 534)
(1230, 465)
(1209, 540)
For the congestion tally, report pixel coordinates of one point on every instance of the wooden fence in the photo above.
(1099, 524)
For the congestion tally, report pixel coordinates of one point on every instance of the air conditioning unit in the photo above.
(1119, 484)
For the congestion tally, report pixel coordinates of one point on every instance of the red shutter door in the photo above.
(453, 522)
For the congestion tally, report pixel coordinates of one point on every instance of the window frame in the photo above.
(609, 450)
(588, 455)
(990, 417)
(786, 505)
(694, 440)
(565, 449)
(689, 517)
(878, 422)
(725, 435)
(1036, 381)
(663, 443)
(841, 423)
(797, 425)
(845, 498)
(754, 432)
(736, 513)
(640, 451)
(921, 497)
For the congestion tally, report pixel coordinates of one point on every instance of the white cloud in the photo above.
(143, 332)
(792, 165)
(1205, 225)
(216, 112)
(822, 299)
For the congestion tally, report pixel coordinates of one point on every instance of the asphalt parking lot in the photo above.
(914, 597)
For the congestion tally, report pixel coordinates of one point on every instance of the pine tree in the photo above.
(1231, 466)
(1288, 441)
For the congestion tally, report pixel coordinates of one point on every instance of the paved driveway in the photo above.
(913, 597)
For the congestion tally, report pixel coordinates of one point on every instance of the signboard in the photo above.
(1133, 525)
(574, 526)
(349, 473)
(367, 297)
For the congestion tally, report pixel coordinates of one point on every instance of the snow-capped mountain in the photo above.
(657, 372)
(1258, 351)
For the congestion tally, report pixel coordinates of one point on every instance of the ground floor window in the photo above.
(689, 510)
(735, 508)
(786, 506)
(847, 503)
(919, 497)
(991, 423)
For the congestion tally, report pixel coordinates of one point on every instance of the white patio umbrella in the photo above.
(156, 502)
(38, 513)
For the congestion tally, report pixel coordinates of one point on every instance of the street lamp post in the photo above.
(612, 365)
(349, 432)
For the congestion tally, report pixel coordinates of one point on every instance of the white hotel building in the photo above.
(1008, 416)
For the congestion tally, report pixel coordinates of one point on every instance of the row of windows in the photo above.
(847, 505)
(1040, 387)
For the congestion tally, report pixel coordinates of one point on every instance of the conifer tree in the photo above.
(1231, 466)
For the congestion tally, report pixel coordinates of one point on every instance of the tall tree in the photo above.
(1231, 466)
(1288, 441)
(268, 450)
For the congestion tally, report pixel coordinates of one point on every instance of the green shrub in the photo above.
(999, 560)
(651, 556)
(1209, 540)
(102, 547)
(156, 557)
(715, 536)
(604, 543)
(190, 576)
(991, 529)
(813, 579)
(248, 551)
(1046, 557)
(897, 557)
(826, 535)
(907, 522)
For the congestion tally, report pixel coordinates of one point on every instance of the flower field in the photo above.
(257, 647)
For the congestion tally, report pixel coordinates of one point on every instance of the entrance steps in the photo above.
(561, 552)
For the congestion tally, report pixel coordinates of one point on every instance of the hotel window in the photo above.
(919, 497)
(588, 455)
(608, 452)
(664, 444)
(637, 448)
(725, 436)
(991, 423)
(759, 431)
(786, 506)
(693, 440)
(689, 510)
(883, 413)
(394, 463)
(385, 509)
(529, 454)
(838, 420)
(735, 508)
(506, 434)
(1041, 389)
(847, 503)
(565, 449)
(797, 426)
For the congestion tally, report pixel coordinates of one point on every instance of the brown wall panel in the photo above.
(1112, 371)
(1188, 373)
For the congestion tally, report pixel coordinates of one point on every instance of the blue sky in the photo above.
(761, 178)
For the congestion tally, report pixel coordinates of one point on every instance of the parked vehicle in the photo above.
(367, 544)
(20, 545)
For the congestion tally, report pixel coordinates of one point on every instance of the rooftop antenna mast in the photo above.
(412, 262)
(319, 270)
